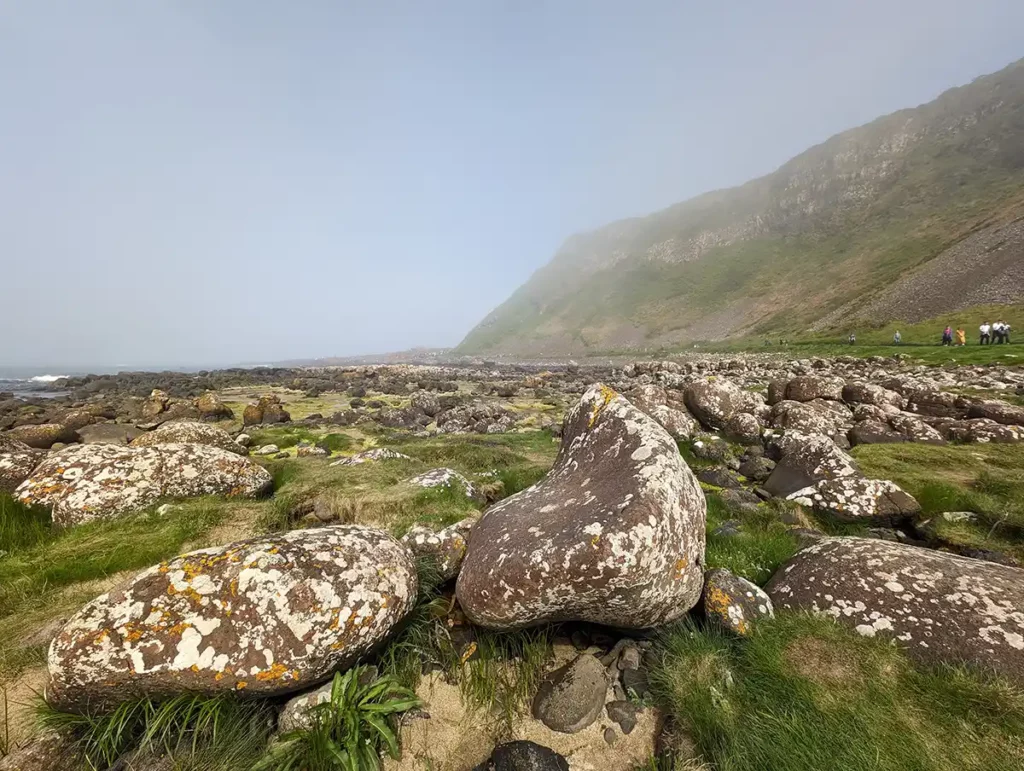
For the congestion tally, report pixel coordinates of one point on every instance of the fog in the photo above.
(193, 182)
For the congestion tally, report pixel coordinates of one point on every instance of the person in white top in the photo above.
(986, 333)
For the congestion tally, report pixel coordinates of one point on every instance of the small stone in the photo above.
(571, 697)
(623, 713)
(610, 736)
(629, 658)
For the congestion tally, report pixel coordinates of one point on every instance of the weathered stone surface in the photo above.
(871, 394)
(445, 548)
(1000, 412)
(307, 450)
(523, 756)
(874, 432)
(734, 603)
(941, 607)
(743, 427)
(44, 436)
(613, 534)
(212, 408)
(370, 456)
(715, 400)
(17, 461)
(260, 617)
(856, 499)
(915, 429)
(982, 431)
(267, 409)
(101, 481)
(572, 697)
(109, 433)
(815, 417)
(425, 402)
(666, 407)
(809, 387)
(443, 478)
(190, 432)
(267, 449)
(804, 459)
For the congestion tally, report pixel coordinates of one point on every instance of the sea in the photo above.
(38, 386)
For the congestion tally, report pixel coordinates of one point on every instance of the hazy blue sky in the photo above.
(216, 181)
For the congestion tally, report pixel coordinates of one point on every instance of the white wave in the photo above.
(47, 378)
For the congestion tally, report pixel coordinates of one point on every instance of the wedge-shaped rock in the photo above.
(190, 432)
(856, 499)
(803, 460)
(259, 617)
(614, 534)
(445, 548)
(941, 607)
(17, 461)
(101, 481)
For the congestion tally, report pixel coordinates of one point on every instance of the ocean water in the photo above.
(39, 386)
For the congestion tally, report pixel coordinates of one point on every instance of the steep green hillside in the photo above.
(857, 219)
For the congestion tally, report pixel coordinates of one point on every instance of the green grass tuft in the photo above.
(761, 546)
(21, 526)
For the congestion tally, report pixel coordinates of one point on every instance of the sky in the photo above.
(210, 182)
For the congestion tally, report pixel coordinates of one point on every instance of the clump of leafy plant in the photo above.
(348, 732)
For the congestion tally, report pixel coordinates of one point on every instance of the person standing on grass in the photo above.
(897, 338)
(997, 333)
(853, 338)
(947, 335)
(961, 336)
(986, 333)
(1006, 333)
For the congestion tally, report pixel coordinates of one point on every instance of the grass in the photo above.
(803, 694)
(289, 436)
(756, 552)
(196, 732)
(21, 526)
(987, 479)
(347, 733)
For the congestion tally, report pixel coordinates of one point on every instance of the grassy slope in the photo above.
(799, 270)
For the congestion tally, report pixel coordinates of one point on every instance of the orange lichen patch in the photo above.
(594, 541)
(466, 654)
(607, 394)
(219, 676)
(276, 672)
(194, 667)
(681, 564)
(718, 601)
(240, 685)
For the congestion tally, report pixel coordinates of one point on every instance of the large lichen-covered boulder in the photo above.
(940, 607)
(259, 617)
(267, 409)
(857, 499)
(1000, 412)
(614, 534)
(806, 388)
(820, 416)
(43, 436)
(445, 548)
(803, 460)
(101, 481)
(190, 432)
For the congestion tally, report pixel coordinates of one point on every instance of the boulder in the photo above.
(307, 450)
(874, 432)
(523, 755)
(210, 407)
(806, 388)
(743, 427)
(267, 409)
(983, 431)
(942, 608)
(155, 404)
(734, 603)
(613, 534)
(101, 481)
(915, 429)
(444, 478)
(425, 402)
(267, 450)
(371, 456)
(445, 548)
(714, 400)
(43, 436)
(803, 460)
(856, 499)
(666, 407)
(17, 465)
(871, 394)
(1000, 412)
(572, 697)
(260, 617)
(190, 432)
(109, 433)
(815, 417)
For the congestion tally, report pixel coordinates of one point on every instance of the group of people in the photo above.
(997, 333)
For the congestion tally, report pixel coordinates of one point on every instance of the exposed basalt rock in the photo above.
(444, 478)
(43, 437)
(666, 407)
(874, 432)
(572, 697)
(714, 401)
(743, 427)
(613, 534)
(871, 394)
(803, 460)
(523, 756)
(734, 603)
(190, 432)
(109, 433)
(212, 408)
(940, 607)
(267, 409)
(425, 402)
(809, 387)
(856, 499)
(17, 461)
(259, 617)
(445, 548)
(101, 481)
(1000, 412)
(982, 431)
(915, 429)
(814, 417)
(371, 456)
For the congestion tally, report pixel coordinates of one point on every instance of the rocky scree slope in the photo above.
(880, 207)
